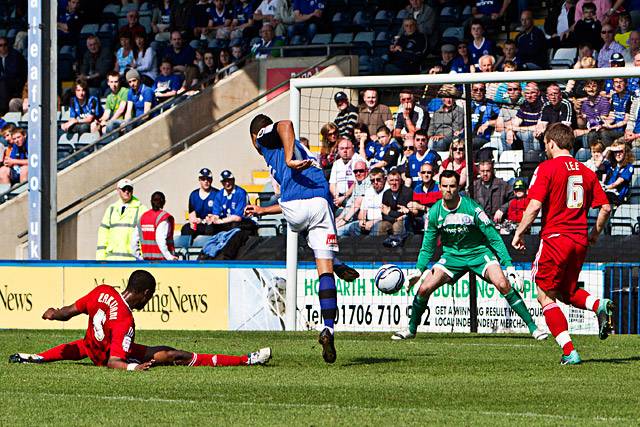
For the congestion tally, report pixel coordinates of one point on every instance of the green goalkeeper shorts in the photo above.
(456, 266)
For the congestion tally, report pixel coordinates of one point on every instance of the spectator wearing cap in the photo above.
(342, 177)
(132, 28)
(201, 202)
(140, 99)
(307, 15)
(115, 235)
(347, 117)
(492, 193)
(447, 55)
(407, 50)
(519, 202)
(609, 47)
(617, 60)
(531, 44)
(615, 124)
(179, 54)
(372, 113)
(228, 203)
(154, 233)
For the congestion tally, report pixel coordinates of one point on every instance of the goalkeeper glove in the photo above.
(514, 279)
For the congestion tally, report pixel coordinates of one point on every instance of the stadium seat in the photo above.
(564, 58)
(145, 21)
(341, 22)
(13, 117)
(512, 156)
(444, 155)
(68, 140)
(363, 42)
(624, 220)
(583, 155)
(364, 65)
(111, 9)
(88, 138)
(382, 20)
(448, 16)
(322, 39)
(106, 31)
(126, 8)
(343, 38)
(361, 21)
(402, 13)
(88, 29)
(453, 35)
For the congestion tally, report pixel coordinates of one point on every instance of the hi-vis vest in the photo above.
(149, 222)
(116, 230)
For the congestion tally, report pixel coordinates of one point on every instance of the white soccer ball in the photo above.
(389, 279)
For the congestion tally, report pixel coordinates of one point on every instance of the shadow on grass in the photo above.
(499, 336)
(615, 360)
(359, 361)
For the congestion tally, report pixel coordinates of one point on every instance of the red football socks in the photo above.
(584, 300)
(558, 327)
(67, 351)
(217, 360)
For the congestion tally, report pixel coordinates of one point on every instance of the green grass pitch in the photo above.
(434, 379)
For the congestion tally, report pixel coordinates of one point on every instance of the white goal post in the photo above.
(296, 85)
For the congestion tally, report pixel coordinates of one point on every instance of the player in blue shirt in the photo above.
(306, 202)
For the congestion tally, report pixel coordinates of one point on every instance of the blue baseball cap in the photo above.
(206, 173)
(225, 175)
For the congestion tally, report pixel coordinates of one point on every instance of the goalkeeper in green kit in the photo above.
(469, 240)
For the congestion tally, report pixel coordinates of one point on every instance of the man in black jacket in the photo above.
(13, 74)
(406, 51)
(394, 205)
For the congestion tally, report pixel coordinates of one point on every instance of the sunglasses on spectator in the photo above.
(127, 190)
(426, 172)
(406, 99)
(459, 149)
(477, 90)
(332, 133)
(359, 170)
(3, 44)
(606, 32)
(408, 147)
(512, 89)
(377, 179)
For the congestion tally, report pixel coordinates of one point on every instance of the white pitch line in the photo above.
(318, 406)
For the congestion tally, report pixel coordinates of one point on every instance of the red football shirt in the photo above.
(111, 329)
(567, 190)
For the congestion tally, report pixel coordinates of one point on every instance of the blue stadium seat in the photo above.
(448, 16)
(382, 20)
(66, 139)
(466, 13)
(453, 35)
(624, 220)
(12, 117)
(343, 38)
(106, 31)
(112, 9)
(126, 8)
(87, 139)
(363, 43)
(583, 155)
(365, 65)
(361, 21)
(564, 58)
(341, 22)
(402, 13)
(145, 21)
(89, 29)
(321, 39)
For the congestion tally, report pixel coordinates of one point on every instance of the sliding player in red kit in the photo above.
(565, 190)
(109, 340)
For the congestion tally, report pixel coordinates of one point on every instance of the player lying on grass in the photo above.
(565, 190)
(469, 240)
(109, 340)
(305, 202)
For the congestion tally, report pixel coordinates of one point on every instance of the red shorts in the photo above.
(80, 349)
(558, 264)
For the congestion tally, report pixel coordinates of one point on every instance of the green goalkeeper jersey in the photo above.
(463, 232)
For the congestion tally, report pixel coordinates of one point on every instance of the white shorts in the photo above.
(316, 218)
